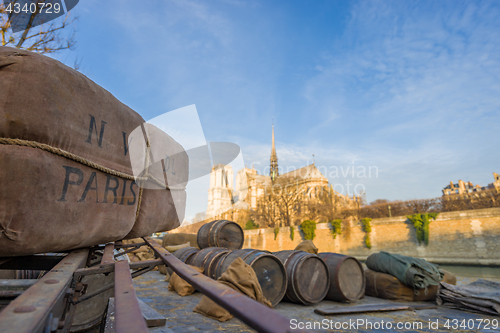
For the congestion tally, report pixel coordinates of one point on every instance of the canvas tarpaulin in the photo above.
(307, 246)
(180, 286)
(413, 272)
(172, 239)
(480, 296)
(66, 173)
(241, 277)
(386, 286)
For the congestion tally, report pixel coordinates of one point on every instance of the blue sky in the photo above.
(409, 87)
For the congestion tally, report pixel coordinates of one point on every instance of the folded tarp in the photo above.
(413, 272)
(481, 296)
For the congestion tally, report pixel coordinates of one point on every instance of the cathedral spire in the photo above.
(273, 172)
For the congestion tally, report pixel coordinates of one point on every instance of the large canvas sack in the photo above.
(307, 246)
(65, 171)
(386, 286)
(416, 273)
(241, 277)
(179, 239)
(167, 166)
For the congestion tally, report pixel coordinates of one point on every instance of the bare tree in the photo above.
(281, 204)
(379, 202)
(46, 38)
(326, 206)
(289, 198)
(266, 212)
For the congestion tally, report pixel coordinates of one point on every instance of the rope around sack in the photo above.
(61, 152)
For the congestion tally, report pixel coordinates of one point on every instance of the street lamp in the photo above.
(388, 206)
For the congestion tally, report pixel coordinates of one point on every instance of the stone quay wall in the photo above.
(463, 238)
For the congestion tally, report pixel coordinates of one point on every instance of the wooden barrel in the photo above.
(221, 233)
(308, 276)
(347, 277)
(208, 259)
(269, 270)
(185, 255)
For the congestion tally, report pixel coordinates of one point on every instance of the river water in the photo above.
(467, 274)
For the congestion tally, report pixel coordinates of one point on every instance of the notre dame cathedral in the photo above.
(226, 197)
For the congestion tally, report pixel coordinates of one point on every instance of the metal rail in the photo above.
(30, 310)
(111, 268)
(107, 257)
(251, 312)
(112, 285)
(128, 314)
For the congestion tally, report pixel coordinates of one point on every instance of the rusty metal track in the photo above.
(29, 311)
(105, 288)
(108, 257)
(130, 249)
(128, 315)
(251, 312)
(111, 268)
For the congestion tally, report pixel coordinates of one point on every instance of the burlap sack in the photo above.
(307, 246)
(65, 171)
(158, 240)
(133, 257)
(170, 166)
(432, 291)
(133, 241)
(210, 309)
(162, 269)
(449, 277)
(241, 277)
(145, 255)
(142, 253)
(180, 238)
(173, 248)
(143, 248)
(180, 286)
(426, 295)
(386, 286)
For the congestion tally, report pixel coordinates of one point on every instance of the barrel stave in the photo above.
(184, 255)
(221, 233)
(308, 276)
(347, 277)
(269, 271)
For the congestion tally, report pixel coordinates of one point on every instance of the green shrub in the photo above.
(367, 227)
(368, 242)
(276, 232)
(421, 223)
(251, 225)
(292, 232)
(308, 227)
(336, 227)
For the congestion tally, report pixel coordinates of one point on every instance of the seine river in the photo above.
(467, 274)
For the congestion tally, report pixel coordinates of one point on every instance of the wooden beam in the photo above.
(153, 318)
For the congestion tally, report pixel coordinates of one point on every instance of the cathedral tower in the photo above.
(273, 171)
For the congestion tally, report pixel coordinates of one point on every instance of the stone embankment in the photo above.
(459, 238)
